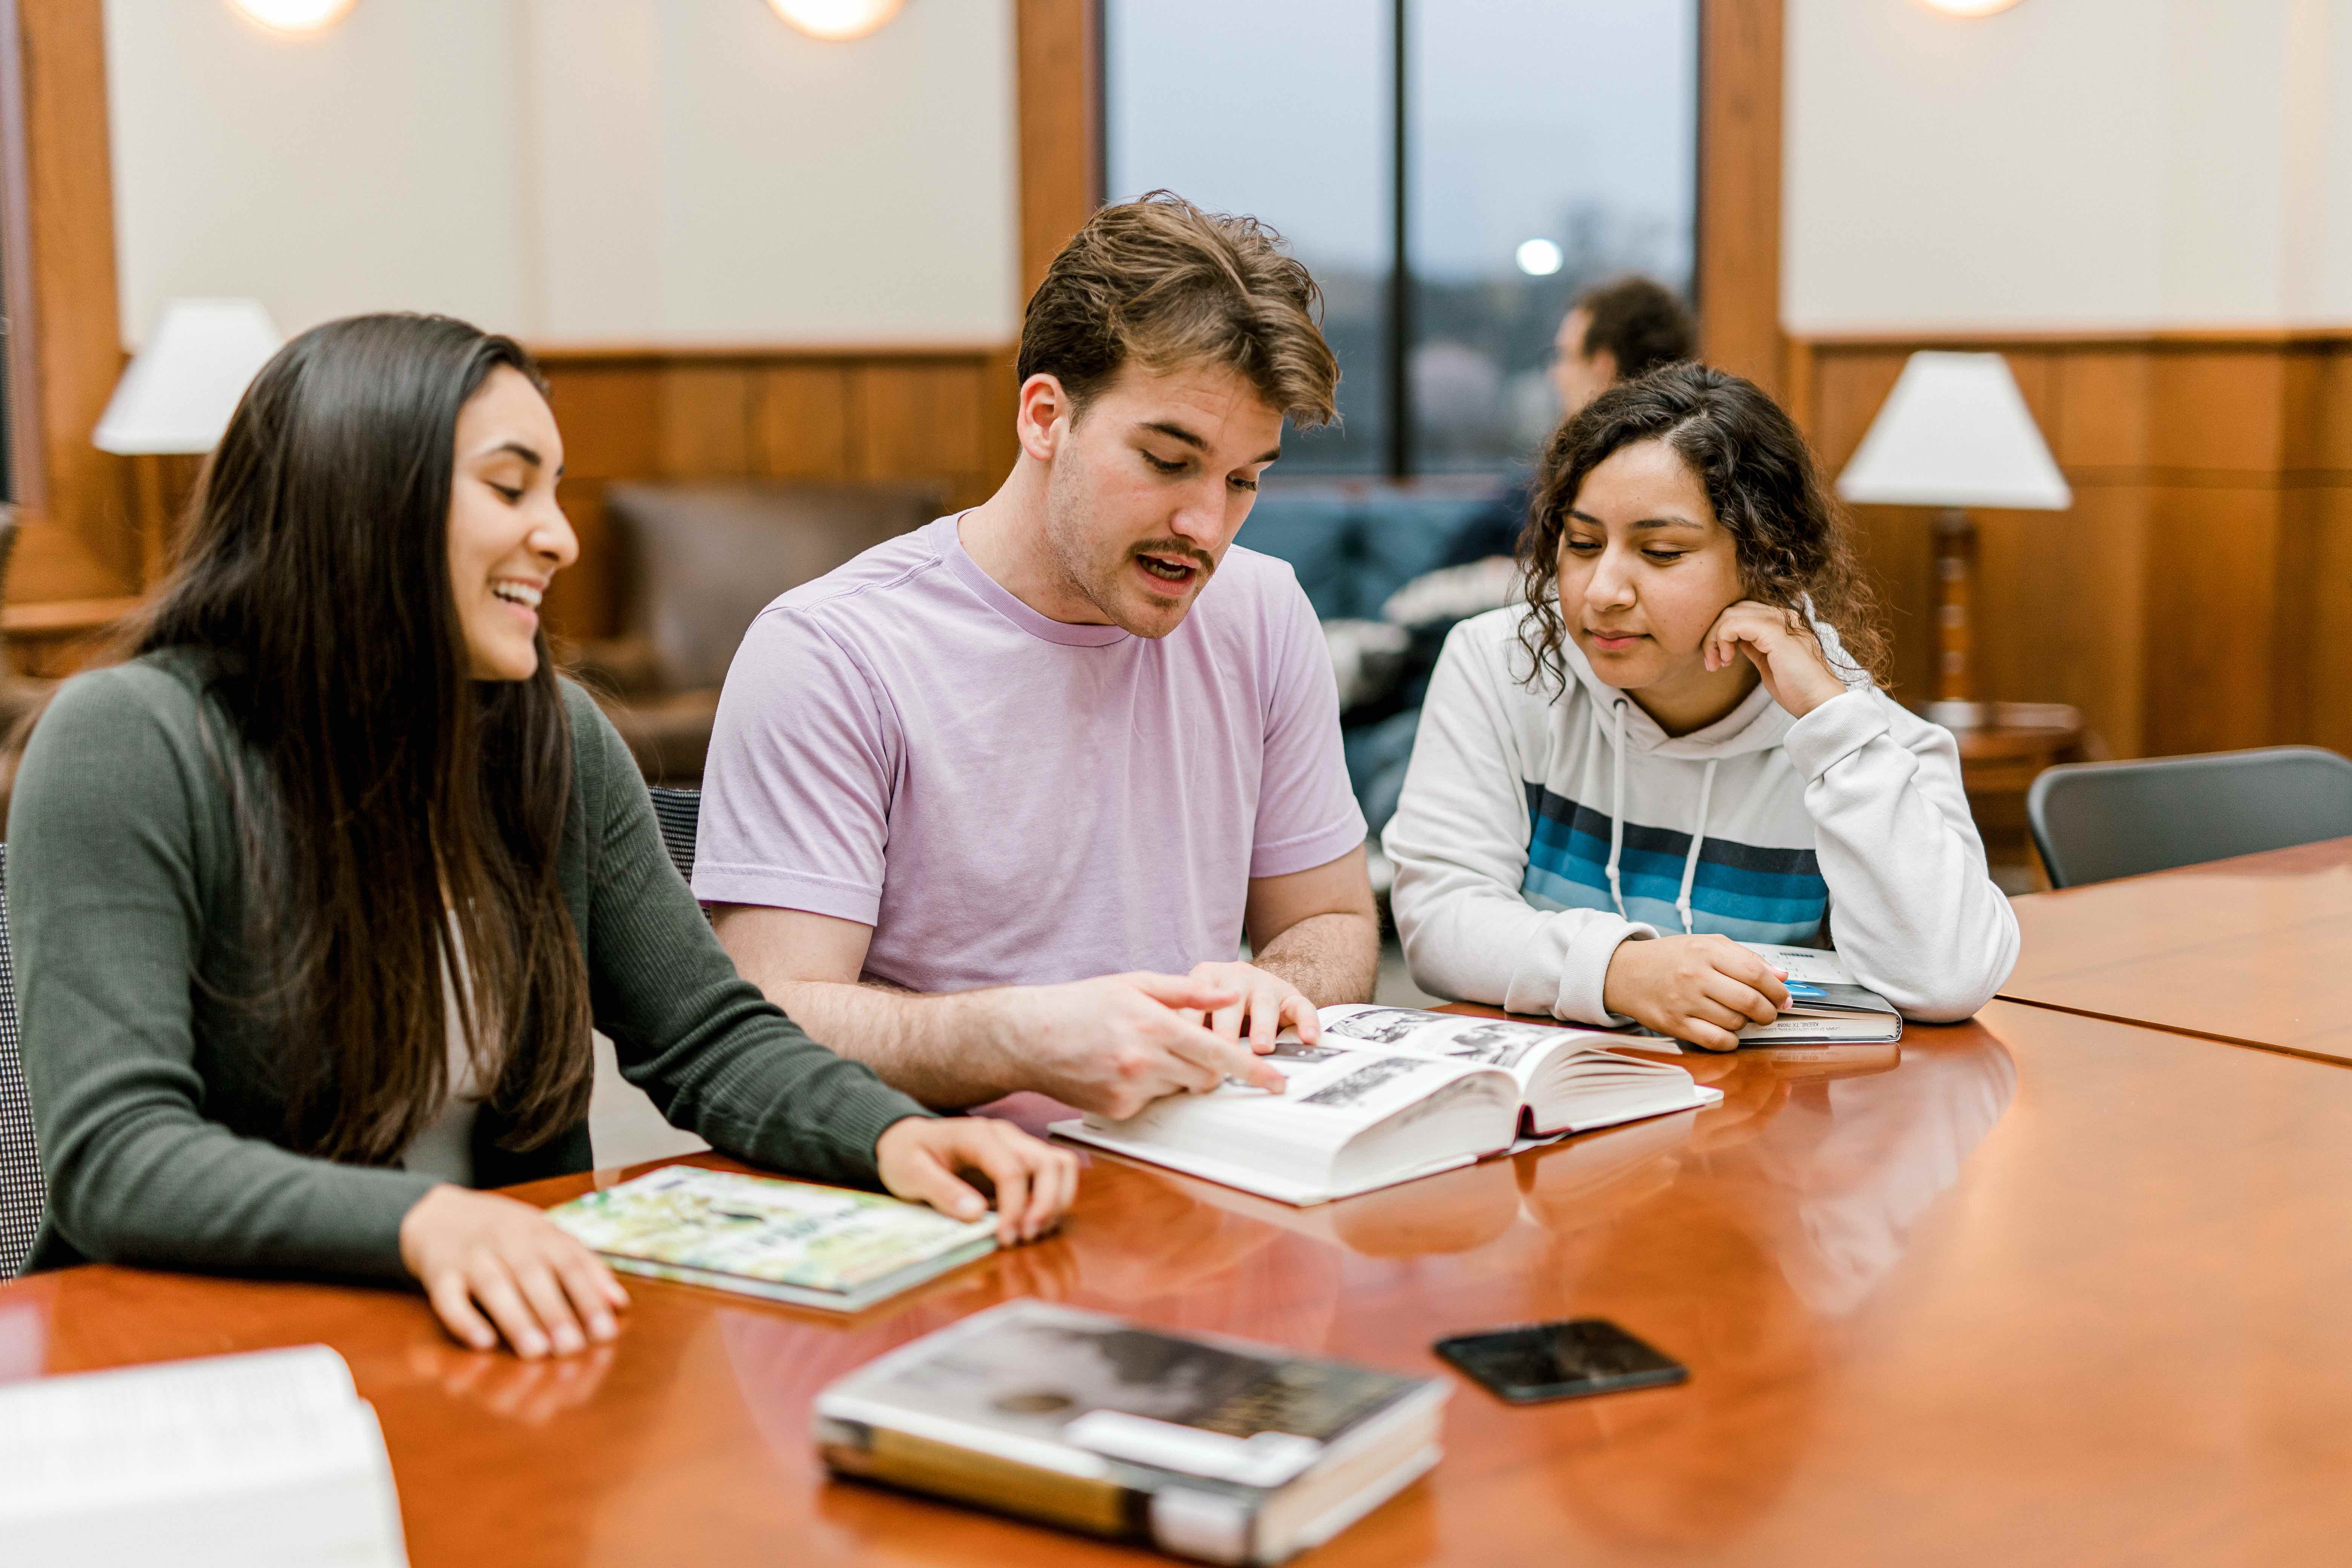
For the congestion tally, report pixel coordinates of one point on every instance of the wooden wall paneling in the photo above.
(706, 421)
(2329, 653)
(1059, 104)
(1898, 554)
(2060, 605)
(2296, 593)
(922, 421)
(2105, 403)
(1738, 282)
(80, 541)
(610, 414)
(2219, 411)
(2207, 652)
(800, 422)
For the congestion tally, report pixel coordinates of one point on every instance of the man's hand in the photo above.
(477, 1254)
(1697, 988)
(1788, 658)
(1114, 1044)
(1266, 1003)
(923, 1160)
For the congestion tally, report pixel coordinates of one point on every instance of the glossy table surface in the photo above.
(2050, 1290)
(2257, 950)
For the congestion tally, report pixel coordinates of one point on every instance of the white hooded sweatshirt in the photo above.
(1539, 829)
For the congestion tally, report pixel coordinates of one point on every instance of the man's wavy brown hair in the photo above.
(1159, 281)
(1795, 548)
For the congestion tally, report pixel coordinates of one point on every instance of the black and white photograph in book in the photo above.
(1359, 1085)
(1498, 1044)
(1379, 1026)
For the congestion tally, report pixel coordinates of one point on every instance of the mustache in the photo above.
(1192, 553)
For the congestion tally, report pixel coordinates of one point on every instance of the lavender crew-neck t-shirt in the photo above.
(1008, 800)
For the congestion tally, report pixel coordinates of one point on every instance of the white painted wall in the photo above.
(574, 171)
(2068, 163)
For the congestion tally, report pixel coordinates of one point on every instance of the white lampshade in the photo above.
(183, 384)
(1955, 432)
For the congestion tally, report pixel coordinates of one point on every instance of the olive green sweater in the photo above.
(154, 1086)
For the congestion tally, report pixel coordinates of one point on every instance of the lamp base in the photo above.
(1957, 715)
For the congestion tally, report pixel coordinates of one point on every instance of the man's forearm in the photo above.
(942, 1050)
(1331, 958)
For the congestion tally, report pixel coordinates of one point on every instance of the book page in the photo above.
(1517, 1048)
(1809, 965)
(212, 1428)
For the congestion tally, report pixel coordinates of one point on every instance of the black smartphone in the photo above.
(1566, 1360)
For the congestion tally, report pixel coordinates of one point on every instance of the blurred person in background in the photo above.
(1615, 331)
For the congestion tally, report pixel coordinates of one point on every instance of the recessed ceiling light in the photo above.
(836, 21)
(296, 18)
(1967, 7)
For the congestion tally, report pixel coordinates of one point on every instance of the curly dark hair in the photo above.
(1793, 544)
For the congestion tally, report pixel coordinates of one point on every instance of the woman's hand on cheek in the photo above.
(1790, 661)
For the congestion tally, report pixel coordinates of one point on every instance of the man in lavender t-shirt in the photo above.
(992, 806)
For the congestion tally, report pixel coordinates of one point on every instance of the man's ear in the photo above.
(1604, 362)
(1041, 415)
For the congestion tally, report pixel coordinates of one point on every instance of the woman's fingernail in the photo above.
(568, 1340)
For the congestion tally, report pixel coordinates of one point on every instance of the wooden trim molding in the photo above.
(1738, 246)
(77, 541)
(1058, 50)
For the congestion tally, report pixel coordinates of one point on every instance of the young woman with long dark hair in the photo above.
(1678, 731)
(316, 898)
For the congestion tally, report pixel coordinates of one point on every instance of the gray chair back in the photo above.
(22, 1191)
(2095, 821)
(679, 811)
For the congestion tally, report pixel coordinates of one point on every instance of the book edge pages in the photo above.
(1299, 1195)
(1701, 1097)
(920, 1271)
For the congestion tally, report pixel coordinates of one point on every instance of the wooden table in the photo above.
(2257, 951)
(2052, 1291)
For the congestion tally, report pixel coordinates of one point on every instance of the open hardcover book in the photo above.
(1391, 1093)
(259, 1460)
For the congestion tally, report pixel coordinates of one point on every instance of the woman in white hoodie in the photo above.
(1675, 744)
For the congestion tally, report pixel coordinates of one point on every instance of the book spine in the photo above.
(1099, 1506)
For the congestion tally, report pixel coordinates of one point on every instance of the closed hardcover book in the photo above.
(1209, 1448)
(760, 1236)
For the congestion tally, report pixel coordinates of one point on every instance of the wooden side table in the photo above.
(1998, 762)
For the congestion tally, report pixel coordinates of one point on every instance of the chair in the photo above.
(22, 1189)
(701, 562)
(2096, 821)
(679, 811)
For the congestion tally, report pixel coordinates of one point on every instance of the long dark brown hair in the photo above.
(1792, 542)
(408, 817)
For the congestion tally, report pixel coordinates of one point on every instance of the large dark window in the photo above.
(1453, 170)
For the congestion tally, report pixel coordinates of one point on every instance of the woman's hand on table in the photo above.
(487, 1261)
(1701, 989)
(925, 1159)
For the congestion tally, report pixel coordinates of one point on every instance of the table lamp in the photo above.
(177, 395)
(1955, 433)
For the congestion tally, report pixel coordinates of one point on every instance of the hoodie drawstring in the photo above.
(1617, 821)
(1617, 807)
(1698, 837)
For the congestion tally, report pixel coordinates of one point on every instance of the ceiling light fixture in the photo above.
(1968, 8)
(1538, 257)
(836, 21)
(293, 18)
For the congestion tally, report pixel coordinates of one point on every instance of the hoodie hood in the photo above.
(1627, 731)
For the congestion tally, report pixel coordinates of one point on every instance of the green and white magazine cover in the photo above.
(793, 1241)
